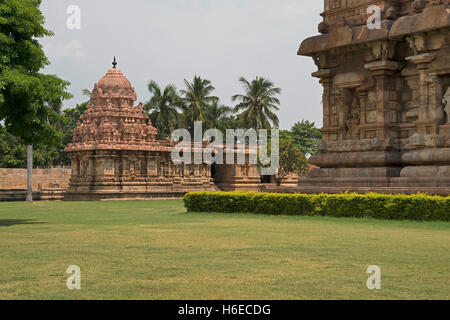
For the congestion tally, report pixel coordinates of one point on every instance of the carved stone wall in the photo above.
(386, 97)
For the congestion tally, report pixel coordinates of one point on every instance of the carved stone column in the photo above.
(363, 94)
(422, 61)
(91, 170)
(341, 113)
(152, 170)
(75, 166)
(326, 78)
(436, 107)
(387, 104)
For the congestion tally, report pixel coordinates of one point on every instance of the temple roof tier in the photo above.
(113, 122)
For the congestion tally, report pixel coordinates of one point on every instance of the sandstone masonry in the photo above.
(48, 184)
(386, 98)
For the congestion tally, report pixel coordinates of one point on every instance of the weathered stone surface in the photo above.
(385, 99)
(16, 179)
(432, 18)
(48, 184)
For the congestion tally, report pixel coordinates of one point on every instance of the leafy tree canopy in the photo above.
(305, 135)
(29, 100)
(292, 160)
(13, 152)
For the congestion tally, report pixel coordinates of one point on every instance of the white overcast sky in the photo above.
(171, 40)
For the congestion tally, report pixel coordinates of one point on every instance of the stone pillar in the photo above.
(117, 165)
(436, 96)
(99, 164)
(363, 109)
(75, 163)
(326, 80)
(124, 165)
(385, 87)
(341, 113)
(152, 166)
(91, 170)
(422, 61)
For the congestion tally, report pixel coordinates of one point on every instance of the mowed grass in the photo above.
(155, 250)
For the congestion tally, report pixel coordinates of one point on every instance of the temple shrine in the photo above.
(115, 153)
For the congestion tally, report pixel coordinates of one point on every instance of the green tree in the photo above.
(292, 160)
(286, 134)
(258, 104)
(163, 108)
(28, 99)
(69, 122)
(197, 97)
(305, 135)
(13, 153)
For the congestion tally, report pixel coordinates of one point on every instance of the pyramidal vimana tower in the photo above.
(386, 97)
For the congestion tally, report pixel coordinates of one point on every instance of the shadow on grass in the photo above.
(14, 222)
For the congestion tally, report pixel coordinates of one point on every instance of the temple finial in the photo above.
(114, 63)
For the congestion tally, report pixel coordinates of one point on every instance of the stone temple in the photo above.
(386, 97)
(115, 153)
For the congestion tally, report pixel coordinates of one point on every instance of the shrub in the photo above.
(419, 207)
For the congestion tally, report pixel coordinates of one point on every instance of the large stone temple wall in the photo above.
(386, 98)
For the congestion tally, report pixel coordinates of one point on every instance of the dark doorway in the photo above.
(266, 179)
(213, 171)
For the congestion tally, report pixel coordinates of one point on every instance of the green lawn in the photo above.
(155, 250)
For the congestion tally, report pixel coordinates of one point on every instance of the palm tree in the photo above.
(258, 104)
(197, 98)
(163, 106)
(215, 112)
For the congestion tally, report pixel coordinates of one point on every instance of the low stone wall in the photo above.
(48, 184)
